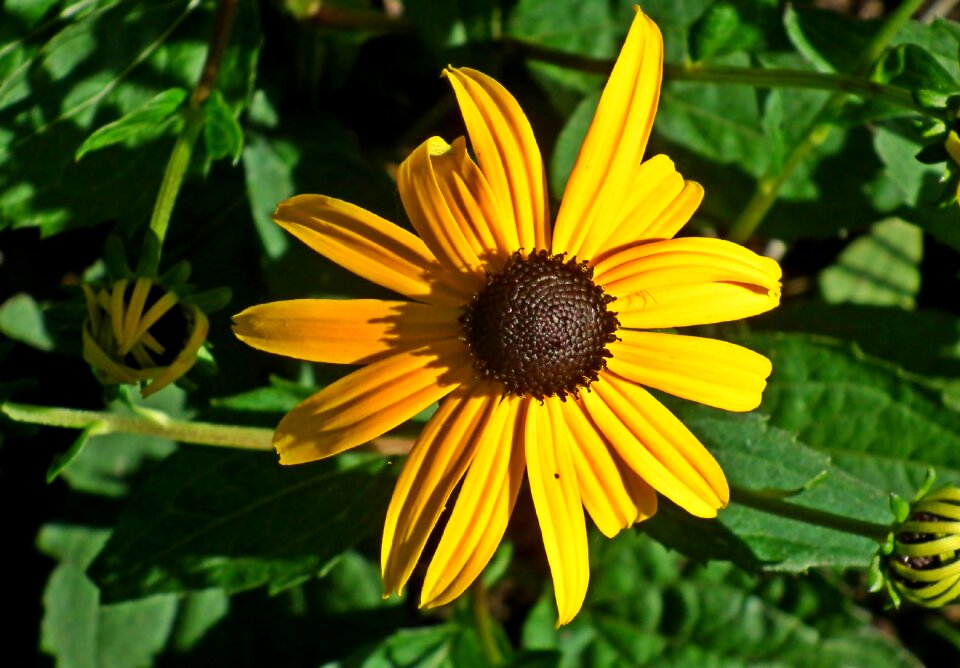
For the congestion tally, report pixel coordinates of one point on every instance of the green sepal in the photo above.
(900, 508)
(115, 258)
(212, 300)
(875, 577)
(175, 278)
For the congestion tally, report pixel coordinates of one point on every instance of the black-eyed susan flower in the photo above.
(537, 340)
(138, 332)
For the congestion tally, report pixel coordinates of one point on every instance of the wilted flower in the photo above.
(137, 331)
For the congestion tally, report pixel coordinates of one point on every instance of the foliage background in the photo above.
(148, 553)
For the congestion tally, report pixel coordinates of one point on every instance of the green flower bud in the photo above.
(139, 332)
(925, 564)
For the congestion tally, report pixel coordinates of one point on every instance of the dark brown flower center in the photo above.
(540, 326)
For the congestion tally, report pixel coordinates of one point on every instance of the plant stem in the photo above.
(819, 129)
(480, 602)
(757, 77)
(183, 147)
(163, 426)
(155, 423)
(782, 508)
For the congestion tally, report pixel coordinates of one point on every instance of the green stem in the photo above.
(481, 614)
(200, 433)
(801, 79)
(183, 148)
(768, 188)
(757, 77)
(782, 508)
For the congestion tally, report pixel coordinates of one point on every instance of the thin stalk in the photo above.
(183, 147)
(757, 77)
(158, 424)
(155, 423)
(480, 602)
(782, 508)
(768, 188)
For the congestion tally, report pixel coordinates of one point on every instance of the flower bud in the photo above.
(925, 563)
(137, 331)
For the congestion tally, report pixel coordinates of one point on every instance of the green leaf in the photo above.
(733, 25)
(450, 645)
(881, 268)
(879, 332)
(238, 521)
(21, 319)
(108, 464)
(88, 68)
(77, 629)
(314, 154)
(831, 41)
(139, 126)
(64, 460)
(720, 123)
(874, 423)
(582, 28)
(222, 134)
(646, 607)
(768, 461)
(910, 66)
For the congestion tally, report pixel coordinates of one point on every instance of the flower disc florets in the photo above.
(541, 326)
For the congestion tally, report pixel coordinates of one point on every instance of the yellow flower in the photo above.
(531, 337)
(134, 333)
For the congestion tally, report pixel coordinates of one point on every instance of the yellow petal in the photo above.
(186, 358)
(715, 373)
(487, 496)
(656, 445)
(687, 281)
(370, 247)
(556, 498)
(436, 464)
(431, 216)
(339, 331)
(369, 402)
(613, 149)
(655, 186)
(507, 151)
(492, 234)
(602, 488)
(659, 216)
(134, 311)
